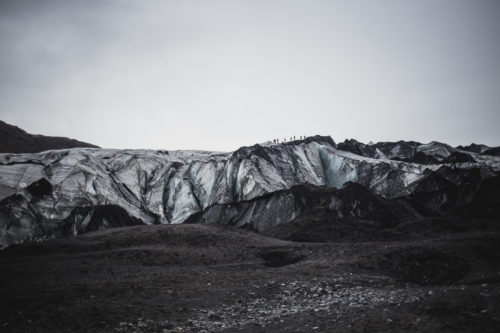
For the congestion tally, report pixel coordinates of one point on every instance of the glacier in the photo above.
(58, 192)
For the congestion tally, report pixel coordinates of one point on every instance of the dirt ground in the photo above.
(199, 278)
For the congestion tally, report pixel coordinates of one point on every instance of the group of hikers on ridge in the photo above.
(292, 138)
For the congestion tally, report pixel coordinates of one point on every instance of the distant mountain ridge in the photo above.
(423, 153)
(15, 140)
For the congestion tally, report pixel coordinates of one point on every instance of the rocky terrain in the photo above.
(205, 278)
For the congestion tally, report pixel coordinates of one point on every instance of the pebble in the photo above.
(292, 298)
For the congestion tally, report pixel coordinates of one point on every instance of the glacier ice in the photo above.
(169, 186)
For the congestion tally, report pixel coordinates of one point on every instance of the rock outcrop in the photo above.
(15, 140)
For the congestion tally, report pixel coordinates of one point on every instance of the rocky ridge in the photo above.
(15, 140)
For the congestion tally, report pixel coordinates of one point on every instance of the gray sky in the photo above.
(217, 75)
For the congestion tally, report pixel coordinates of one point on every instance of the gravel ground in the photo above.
(197, 278)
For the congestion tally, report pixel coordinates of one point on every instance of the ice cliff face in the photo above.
(75, 190)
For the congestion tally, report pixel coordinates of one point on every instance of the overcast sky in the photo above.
(217, 75)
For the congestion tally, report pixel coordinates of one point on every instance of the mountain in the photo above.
(15, 140)
(401, 150)
(71, 191)
(416, 152)
(474, 148)
(492, 151)
(481, 149)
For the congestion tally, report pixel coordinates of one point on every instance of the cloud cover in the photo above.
(217, 75)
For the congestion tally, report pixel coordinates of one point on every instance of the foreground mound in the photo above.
(203, 278)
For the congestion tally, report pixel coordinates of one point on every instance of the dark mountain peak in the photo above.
(247, 152)
(458, 157)
(263, 151)
(413, 143)
(474, 148)
(326, 139)
(393, 150)
(15, 140)
(492, 151)
(439, 144)
(434, 152)
(353, 142)
(356, 147)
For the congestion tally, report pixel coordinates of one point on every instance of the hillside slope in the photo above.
(15, 140)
